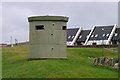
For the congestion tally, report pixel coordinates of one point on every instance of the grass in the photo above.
(0, 63)
(15, 64)
(116, 49)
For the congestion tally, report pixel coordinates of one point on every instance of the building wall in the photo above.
(98, 42)
(49, 42)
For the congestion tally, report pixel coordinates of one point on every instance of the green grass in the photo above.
(0, 63)
(116, 49)
(15, 64)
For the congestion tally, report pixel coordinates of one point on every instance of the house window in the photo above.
(116, 34)
(103, 35)
(102, 29)
(80, 36)
(92, 36)
(69, 37)
(107, 35)
(63, 27)
(72, 37)
(96, 35)
(87, 36)
(39, 27)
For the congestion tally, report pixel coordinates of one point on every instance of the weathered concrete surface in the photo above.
(47, 37)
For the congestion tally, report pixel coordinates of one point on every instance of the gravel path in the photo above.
(111, 50)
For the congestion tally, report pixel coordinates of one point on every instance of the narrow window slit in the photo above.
(39, 27)
(63, 27)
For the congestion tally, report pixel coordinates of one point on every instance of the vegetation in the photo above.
(15, 64)
(0, 63)
(116, 49)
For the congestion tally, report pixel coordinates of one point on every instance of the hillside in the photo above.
(15, 64)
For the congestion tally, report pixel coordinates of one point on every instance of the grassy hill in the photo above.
(0, 63)
(116, 49)
(15, 64)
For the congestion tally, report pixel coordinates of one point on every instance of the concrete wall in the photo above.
(49, 42)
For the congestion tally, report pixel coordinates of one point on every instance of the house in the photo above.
(71, 34)
(98, 35)
(82, 37)
(115, 36)
(3, 45)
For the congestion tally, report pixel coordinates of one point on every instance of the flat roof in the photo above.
(48, 18)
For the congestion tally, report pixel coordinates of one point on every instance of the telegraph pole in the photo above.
(11, 41)
(102, 43)
(119, 45)
(16, 41)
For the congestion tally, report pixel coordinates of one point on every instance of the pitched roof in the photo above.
(115, 35)
(101, 33)
(71, 33)
(83, 35)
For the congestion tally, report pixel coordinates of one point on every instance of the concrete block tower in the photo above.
(47, 37)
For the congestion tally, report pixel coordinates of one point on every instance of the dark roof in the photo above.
(101, 32)
(115, 35)
(83, 35)
(71, 33)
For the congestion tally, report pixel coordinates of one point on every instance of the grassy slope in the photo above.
(0, 62)
(116, 49)
(15, 64)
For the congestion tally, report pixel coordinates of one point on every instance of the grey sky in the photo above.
(81, 14)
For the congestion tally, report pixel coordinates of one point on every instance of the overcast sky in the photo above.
(81, 14)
